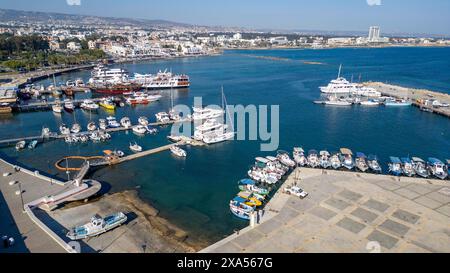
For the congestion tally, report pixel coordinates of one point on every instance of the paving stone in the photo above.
(439, 197)
(365, 215)
(428, 202)
(394, 228)
(376, 205)
(420, 189)
(391, 186)
(445, 191)
(337, 203)
(323, 213)
(383, 239)
(300, 204)
(287, 214)
(407, 193)
(444, 210)
(350, 195)
(227, 248)
(248, 238)
(268, 226)
(406, 216)
(350, 225)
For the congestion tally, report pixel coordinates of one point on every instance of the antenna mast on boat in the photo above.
(224, 104)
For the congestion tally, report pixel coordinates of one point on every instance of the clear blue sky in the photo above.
(413, 16)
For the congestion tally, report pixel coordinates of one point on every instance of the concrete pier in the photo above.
(350, 212)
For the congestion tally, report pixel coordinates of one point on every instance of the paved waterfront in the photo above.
(351, 212)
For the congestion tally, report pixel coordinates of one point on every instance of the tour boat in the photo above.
(178, 151)
(162, 80)
(135, 147)
(115, 88)
(420, 167)
(112, 122)
(89, 105)
(347, 158)
(139, 129)
(250, 185)
(299, 156)
(240, 209)
(96, 226)
(339, 86)
(143, 121)
(395, 166)
(313, 159)
(76, 128)
(374, 165)
(361, 162)
(125, 122)
(437, 168)
(407, 167)
(335, 161)
(20, 145)
(324, 159)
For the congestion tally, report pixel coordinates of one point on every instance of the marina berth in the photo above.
(407, 167)
(346, 158)
(395, 166)
(437, 168)
(361, 162)
(374, 165)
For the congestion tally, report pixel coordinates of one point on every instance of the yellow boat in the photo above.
(107, 105)
(251, 200)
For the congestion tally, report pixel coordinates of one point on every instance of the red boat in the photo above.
(118, 88)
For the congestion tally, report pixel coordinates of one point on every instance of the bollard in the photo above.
(252, 219)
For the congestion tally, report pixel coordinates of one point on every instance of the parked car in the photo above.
(297, 191)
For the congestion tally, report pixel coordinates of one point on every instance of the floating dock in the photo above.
(349, 212)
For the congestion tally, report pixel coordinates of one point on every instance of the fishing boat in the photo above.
(407, 167)
(240, 209)
(125, 122)
(284, 158)
(135, 147)
(162, 117)
(370, 102)
(76, 128)
(337, 102)
(361, 162)
(108, 104)
(420, 167)
(250, 199)
(335, 161)
(89, 105)
(250, 185)
(96, 226)
(437, 168)
(347, 158)
(299, 156)
(112, 122)
(178, 151)
(57, 108)
(372, 162)
(313, 159)
(32, 144)
(69, 106)
(143, 121)
(64, 130)
(395, 166)
(20, 145)
(91, 126)
(139, 129)
(324, 159)
(397, 102)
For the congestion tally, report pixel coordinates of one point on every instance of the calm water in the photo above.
(194, 192)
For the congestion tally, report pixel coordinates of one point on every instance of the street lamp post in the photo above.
(21, 197)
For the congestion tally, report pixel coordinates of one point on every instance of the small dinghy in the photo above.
(32, 144)
(139, 129)
(20, 145)
(135, 147)
(96, 226)
(178, 151)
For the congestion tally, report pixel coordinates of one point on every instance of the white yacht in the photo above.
(178, 151)
(143, 121)
(207, 127)
(206, 113)
(125, 122)
(139, 129)
(112, 122)
(57, 108)
(89, 105)
(162, 117)
(135, 147)
(339, 85)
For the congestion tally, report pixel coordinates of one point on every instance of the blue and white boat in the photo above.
(437, 168)
(395, 166)
(361, 162)
(240, 209)
(374, 165)
(97, 226)
(347, 158)
(420, 167)
(407, 167)
(397, 102)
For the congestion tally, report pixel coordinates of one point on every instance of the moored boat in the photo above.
(437, 168)
(324, 159)
(407, 167)
(139, 129)
(125, 122)
(32, 144)
(374, 165)
(347, 158)
(135, 147)
(361, 162)
(178, 151)
(284, 158)
(395, 166)
(91, 126)
(250, 185)
(335, 161)
(57, 108)
(420, 167)
(20, 145)
(240, 209)
(299, 156)
(76, 128)
(143, 121)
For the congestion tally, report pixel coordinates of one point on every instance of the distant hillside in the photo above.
(73, 19)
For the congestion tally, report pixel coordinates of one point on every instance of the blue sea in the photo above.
(193, 193)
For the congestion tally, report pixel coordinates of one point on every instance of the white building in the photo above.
(281, 40)
(374, 34)
(73, 46)
(237, 36)
(340, 41)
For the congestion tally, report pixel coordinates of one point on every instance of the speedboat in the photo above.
(135, 147)
(347, 158)
(32, 144)
(112, 122)
(57, 108)
(251, 199)
(76, 128)
(102, 124)
(335, 161)
(313, 159)
(143, 121)
(361, 162)
(20, 145)
(299, 156)
(407, 167)
(125, 122)
(250, 185)
(240, 209)
(395, 166)
(437, 168)
(139, 129)
(324, 159)
(89, 105)
(162, 117)
(107, 103)
(91, 126)
(69, 106)
(97, 226)
(64, 129)
(420, 167)
(372, 162)
(370, 102)
(284, 158)
(178, 151)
